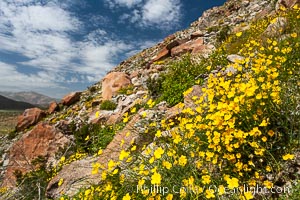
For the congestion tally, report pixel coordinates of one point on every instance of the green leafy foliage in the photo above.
(91, 138)
(32, 185)
(108, 105)
(179, 77)
(126, 90)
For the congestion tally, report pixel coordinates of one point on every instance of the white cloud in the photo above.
(13, 80)
(42, 36)
(98, 59)
(122, 3)
(140, 46)
(161, 14)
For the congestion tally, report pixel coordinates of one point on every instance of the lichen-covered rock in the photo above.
(79, 173)
(113, 82)
(71, 98)
(29, 117)
(286, 3)
(186, 47)
(53, 107)
(43, 140)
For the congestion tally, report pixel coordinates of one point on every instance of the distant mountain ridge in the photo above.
(9, 104)
(29, 97)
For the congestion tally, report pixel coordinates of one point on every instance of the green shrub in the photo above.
(223, 34)
(108, 105)
(92, 137)
(179, 77)
(154, 86)
(126, 90)
(32, 185)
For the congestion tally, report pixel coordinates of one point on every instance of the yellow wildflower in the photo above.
(167, 164)
(62, 159)
(111, 164)
(263, 123)
(123, 155)
(271, 133)
(239, 34)
(87, 138)
(209, 194)
(133, 110)
(248, 195)
(96, 167)
(182, 160)
(158, 133)
(60, 182)
(126, 197)
(206, 179)
(97, 114)
(156, 179)
(221, 190)
(288, 157)
(232, 183)
(268, 184)
(169, 197)
(158, 152)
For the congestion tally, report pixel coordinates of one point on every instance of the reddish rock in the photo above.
(187, 47)
(78, 174)
(197, 34)
(164, 53)
(286, 3)
(113, 82)
(29, 117)
(71, 98)
(172, 44)
(277, 28)
(134, 74)
(199, 49)
(44, 140)
(204, 50)
(188, 98)
(53, 107)
(173, 112)
(170, 37)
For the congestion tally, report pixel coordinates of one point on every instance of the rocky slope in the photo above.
(86, 139)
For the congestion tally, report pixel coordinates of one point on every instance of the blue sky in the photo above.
(57, 46)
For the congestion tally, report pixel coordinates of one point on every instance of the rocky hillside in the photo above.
(210, 112)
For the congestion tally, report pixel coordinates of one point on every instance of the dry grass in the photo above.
(8, 121)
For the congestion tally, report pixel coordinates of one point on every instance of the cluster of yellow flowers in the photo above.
(226, 140)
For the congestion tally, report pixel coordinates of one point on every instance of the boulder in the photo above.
(78, 174)
(71, 98)
(235, 58)
(286, 3)
(99, 116)
(203, 50)
(43, 140)
(197, 34)
(186, 47)
(195, 91)
(29, 117)
(113, 82)
(276, 28)
(53, 107)
(172, 44)
(164, 53)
